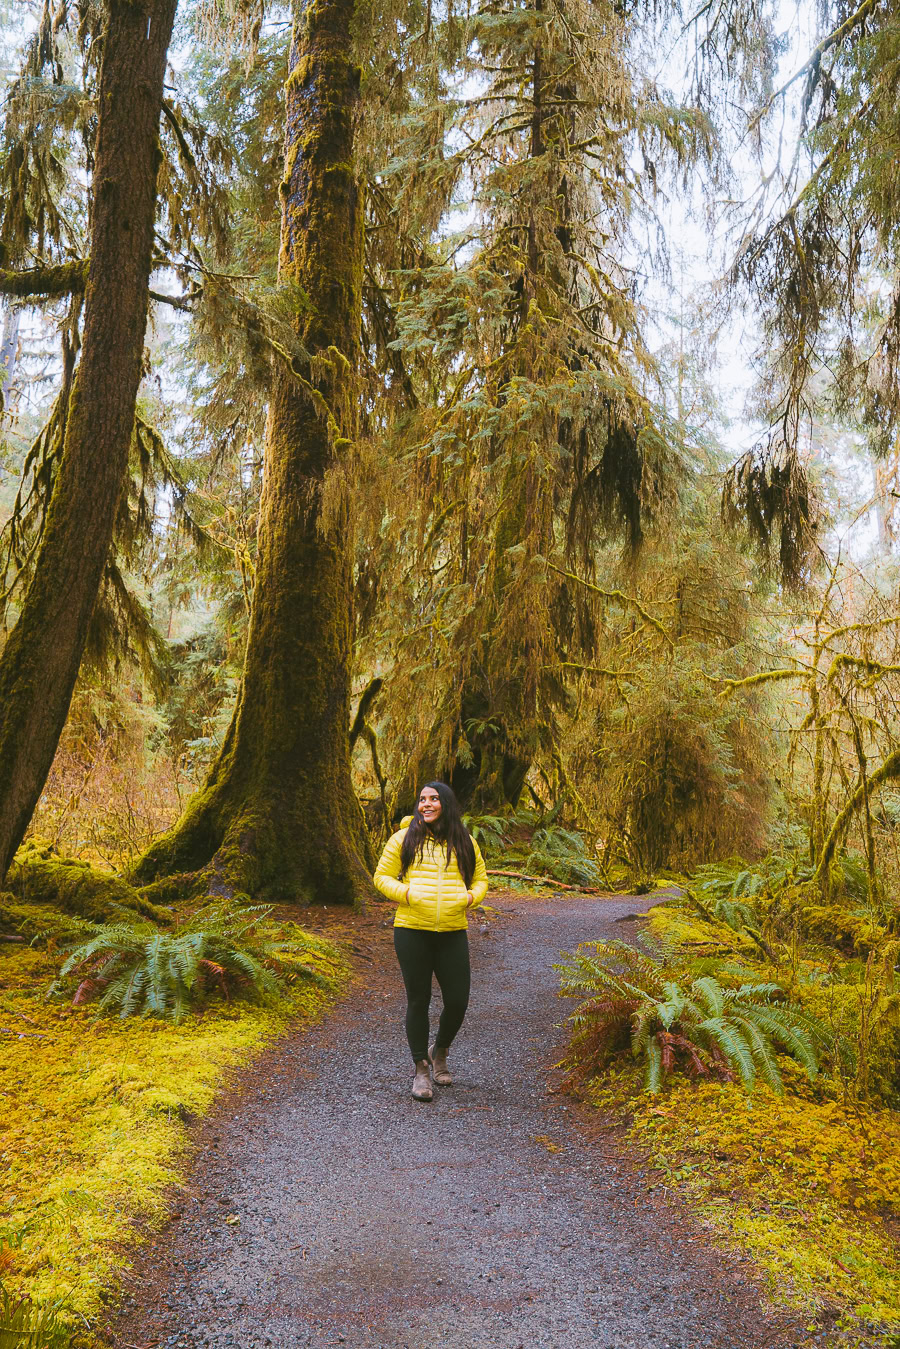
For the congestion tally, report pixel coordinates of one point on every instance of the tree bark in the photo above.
(39, 664)
(278, 816)
(9, 343)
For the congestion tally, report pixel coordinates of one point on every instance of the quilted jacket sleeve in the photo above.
(388, 870)
(480, 879)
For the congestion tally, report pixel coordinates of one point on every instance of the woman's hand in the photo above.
(406, 895)
(470, 900)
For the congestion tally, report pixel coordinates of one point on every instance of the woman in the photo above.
(433, 870)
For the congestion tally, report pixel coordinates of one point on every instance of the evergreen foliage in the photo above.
(529, 432)
(23, 1325)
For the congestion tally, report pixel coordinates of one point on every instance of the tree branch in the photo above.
(626, 600)
(888, 770)
(66, 278)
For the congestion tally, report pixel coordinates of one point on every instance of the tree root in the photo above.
(39, 877)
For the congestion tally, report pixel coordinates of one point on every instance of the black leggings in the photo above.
(446, 955)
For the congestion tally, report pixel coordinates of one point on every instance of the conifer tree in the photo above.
(817, 249)
(39, 664)
(278, 814)
(532, 434)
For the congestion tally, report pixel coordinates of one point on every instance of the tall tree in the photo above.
(819, 245)
(39, 664)
(535, 434)
(278, 815)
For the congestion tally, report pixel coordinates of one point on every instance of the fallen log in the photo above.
(547, 880)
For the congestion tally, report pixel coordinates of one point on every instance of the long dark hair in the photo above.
(449, 828)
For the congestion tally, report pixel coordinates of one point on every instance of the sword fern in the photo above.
(632, 1002)
(133, 968)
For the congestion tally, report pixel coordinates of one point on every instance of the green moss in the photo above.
(278, 817)
(94, 1115)
(849, 932)
(37, 876)
(39, 924)
(186, 847)
(173, 889)
(808, 1188)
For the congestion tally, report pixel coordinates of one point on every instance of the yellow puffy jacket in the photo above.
(437, 892)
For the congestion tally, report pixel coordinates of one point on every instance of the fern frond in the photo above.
(711, 994)
(762, 1054)
(731, 1042)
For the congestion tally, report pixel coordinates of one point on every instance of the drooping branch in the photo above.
(885, 773)
(619, 596)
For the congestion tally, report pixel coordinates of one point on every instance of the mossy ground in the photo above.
(811, 1193)
(807, 1184)
(94, 1116)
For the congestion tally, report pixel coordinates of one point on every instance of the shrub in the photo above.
(135, 969)
(634, 1002)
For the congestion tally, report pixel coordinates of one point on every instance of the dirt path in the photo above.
(487, 1218)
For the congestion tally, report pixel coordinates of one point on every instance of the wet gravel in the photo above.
(498, 1215)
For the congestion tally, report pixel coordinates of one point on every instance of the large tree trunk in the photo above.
(278, 816)
(40, 662)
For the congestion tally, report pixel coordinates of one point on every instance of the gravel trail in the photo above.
(498, 1215)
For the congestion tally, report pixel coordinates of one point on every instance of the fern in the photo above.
(134, 969)
(854, 876)
(24, 1325)
(704, 1028)
(488, 831)
(561, 853)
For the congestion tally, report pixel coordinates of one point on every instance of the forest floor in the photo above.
(326, 1207)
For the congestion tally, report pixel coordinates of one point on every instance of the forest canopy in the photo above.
(498, 393)
(426, 461)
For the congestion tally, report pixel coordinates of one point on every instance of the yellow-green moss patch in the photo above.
(93, 1122)
(809, 1189)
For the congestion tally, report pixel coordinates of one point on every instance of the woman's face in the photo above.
(429, 805)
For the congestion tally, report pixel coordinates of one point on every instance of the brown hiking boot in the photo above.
(421, 1087)
(439, 1067)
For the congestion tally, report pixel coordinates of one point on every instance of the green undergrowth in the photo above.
(534, 844)
(95, 1112)
(810, 1190)
(799, 1167)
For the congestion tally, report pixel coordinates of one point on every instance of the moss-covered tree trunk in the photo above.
(39, 663)
(278, 815)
